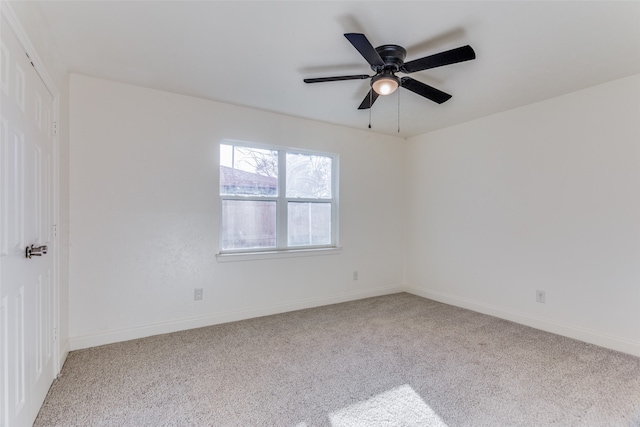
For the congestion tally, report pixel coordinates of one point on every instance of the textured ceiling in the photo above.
(256, 54)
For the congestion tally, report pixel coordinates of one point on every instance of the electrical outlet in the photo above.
(197, 294)
(540, 297)
(355, 275)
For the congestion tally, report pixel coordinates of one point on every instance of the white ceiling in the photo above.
(256, 54)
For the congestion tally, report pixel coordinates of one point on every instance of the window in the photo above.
(276, 199)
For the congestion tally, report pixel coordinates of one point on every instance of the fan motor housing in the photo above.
(392, 55)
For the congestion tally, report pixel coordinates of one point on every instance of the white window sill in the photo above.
(289, 253)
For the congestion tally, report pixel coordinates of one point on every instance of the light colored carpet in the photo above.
(397, 360)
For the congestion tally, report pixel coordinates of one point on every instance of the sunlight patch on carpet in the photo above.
(401, 406)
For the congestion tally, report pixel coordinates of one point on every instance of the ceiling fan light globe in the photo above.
(385, 85)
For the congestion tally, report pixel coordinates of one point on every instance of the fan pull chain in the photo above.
(398, 110)
(370, 106)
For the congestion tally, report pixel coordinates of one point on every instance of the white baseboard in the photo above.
(109, 337)
(64, 352)
(581, 334)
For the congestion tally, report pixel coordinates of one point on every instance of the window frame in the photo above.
(282, 202)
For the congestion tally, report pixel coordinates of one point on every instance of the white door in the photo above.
(26, 285)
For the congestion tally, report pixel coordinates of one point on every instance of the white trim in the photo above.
(109, 337)
(289, 253)
(608, 341)
(20, 33)
(282, 207)
(64, 352)
(578, 333)
(60, 355)
(273, 147)
(281, 199)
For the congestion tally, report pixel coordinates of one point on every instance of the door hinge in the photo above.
(54, 128)
(55, 334)
(55, 231)
(30, 61)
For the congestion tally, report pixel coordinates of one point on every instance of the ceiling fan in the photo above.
(388, 59)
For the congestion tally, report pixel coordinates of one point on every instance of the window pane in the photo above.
(248, 224)
(309, 224)
(246, 171)
(308, 176)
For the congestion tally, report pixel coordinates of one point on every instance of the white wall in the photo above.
(31, 20)
(544, 197)
(144, 214)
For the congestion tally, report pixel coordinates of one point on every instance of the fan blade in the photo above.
(460, 54)
(368, 100)
(338, 78)
(424, 90)
(361, 43)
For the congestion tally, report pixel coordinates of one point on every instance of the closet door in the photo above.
(26, 213)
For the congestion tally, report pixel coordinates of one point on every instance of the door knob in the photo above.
(31, 251)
